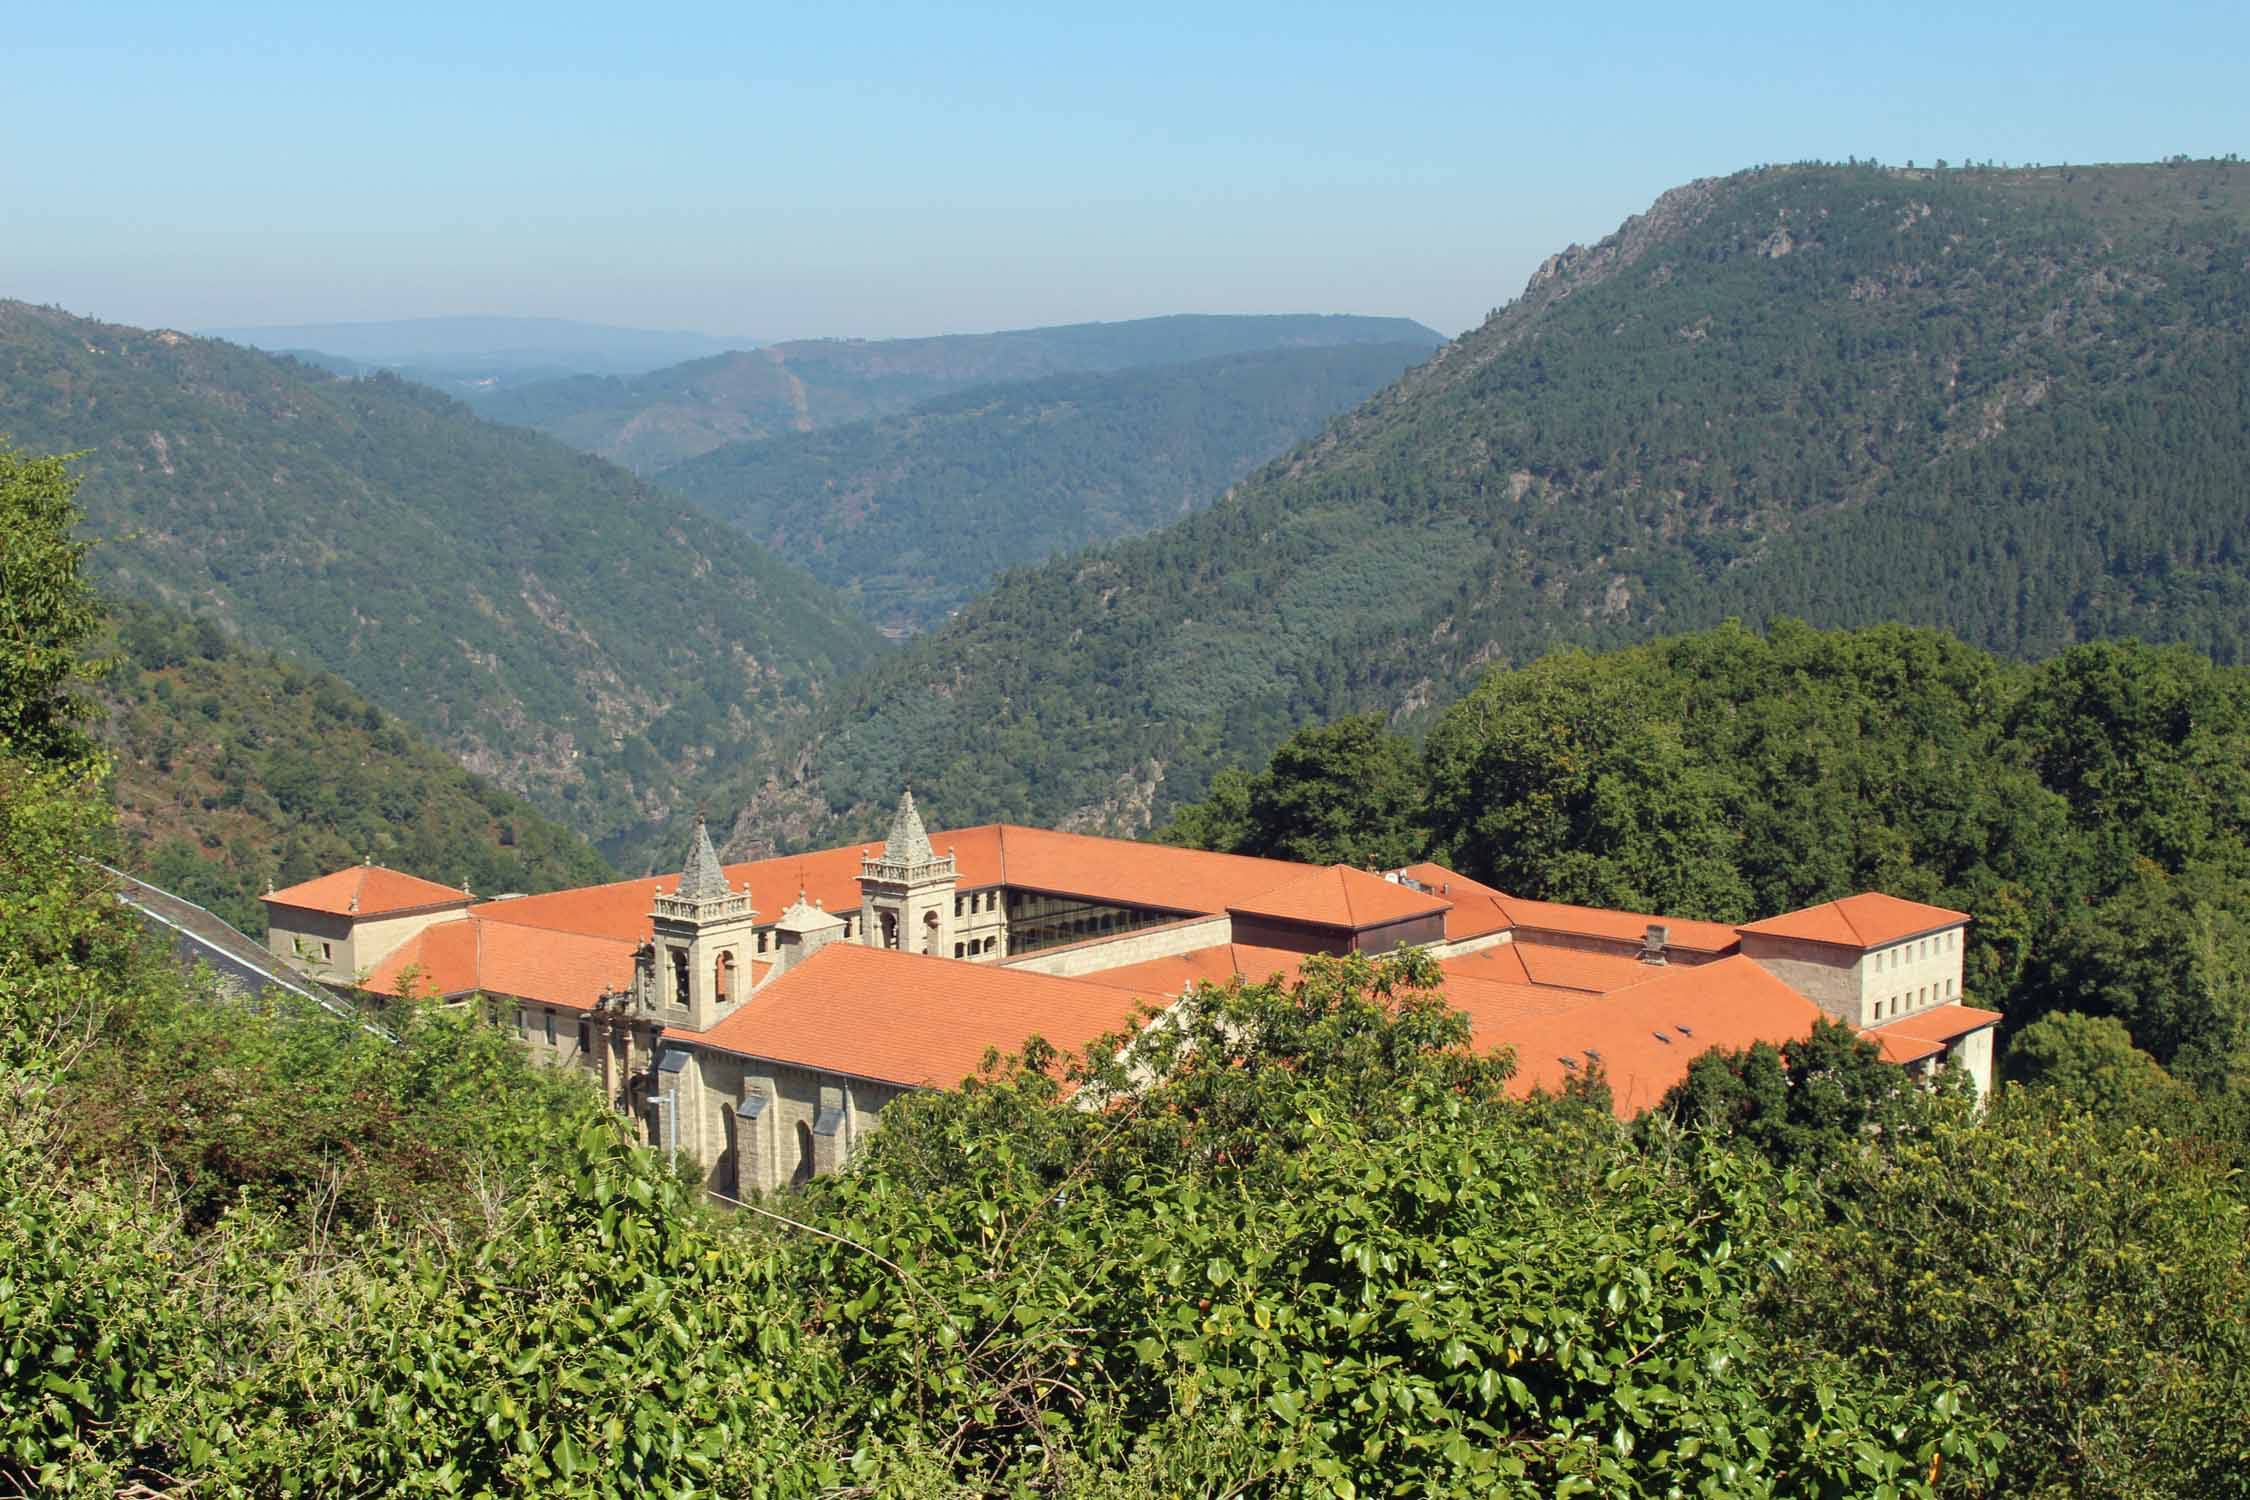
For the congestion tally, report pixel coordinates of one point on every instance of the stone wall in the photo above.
(354, 944)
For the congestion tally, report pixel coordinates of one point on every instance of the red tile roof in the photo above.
(1129, 872)
(1069, 864)
(1524, 962)
(1340, 896)
(1616, 926)
(551, 968)
(1475, 909)
(909, 1019)
(1927, 1033)
(1729, 1004)
(1213, 965)
(366, 891)
(1868, 920)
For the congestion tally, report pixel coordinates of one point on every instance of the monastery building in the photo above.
(765, 1046)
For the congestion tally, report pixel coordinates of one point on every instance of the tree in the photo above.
(1221, 821)
(2168, 958)
(1571, 780)
(1802, 1102)
(1343, 793)
(2090, 1060)
(2085, 1279)
(48, 611)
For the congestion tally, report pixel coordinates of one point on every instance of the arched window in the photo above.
(728, 1176)
(679, 977)
(722, 978)
(930, 933)
(804, 1154)
(890, 929)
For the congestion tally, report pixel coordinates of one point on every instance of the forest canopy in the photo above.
(1301, 1241)
(2092, 812)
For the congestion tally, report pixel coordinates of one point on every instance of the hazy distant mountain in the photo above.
(912, 514)
(502, 347)
(2014, 404)
(671, 415)
(547, 619)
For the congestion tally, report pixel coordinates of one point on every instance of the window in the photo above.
(960, 950)
(550, 1028)
(679, 977)
(804, 1170)
(523, 1021)
(958, 908)
(585, 1037)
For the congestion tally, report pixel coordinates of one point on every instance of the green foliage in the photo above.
(2090, 813)
(2162, 956)
(2085, 1280)
(236, 769)
(47, 610)
(911, 515)
(1343, 793)
(1322, 1228)
(2091, 1061)
(2007, 404)
(1801, 1103)
(527, 606)
(282, 1108)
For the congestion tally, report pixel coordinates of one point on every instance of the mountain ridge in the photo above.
(668, 416)
(2011, 404)
(910, 514)
(595, 645)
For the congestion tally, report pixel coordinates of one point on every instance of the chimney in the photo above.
(1653, 941)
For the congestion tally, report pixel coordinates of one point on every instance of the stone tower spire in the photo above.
(701, 878)
(696, 967)
(906, 892)
(909, 842)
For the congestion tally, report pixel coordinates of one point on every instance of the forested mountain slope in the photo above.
(910, 515)
(236, 769)
(2012, 403)
(668, 416)
(544, 617)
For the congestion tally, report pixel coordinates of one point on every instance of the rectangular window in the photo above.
(585, 1037)
(523, 1021)
(326, 953)
(550, 1028)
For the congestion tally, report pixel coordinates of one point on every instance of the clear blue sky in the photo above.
(806, 169)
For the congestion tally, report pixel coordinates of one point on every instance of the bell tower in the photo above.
(906, 892)
(698, 958)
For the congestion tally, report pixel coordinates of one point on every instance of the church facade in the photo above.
(764, 1047)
